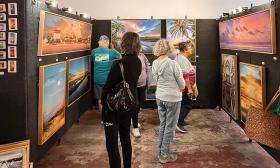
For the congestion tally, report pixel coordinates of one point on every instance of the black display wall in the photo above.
(19, 92)
(271, 65)
(208, 66)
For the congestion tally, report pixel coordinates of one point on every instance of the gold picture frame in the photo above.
(52, 86)
(69, 103)
(15, 154)
(54, 45)
(252, 88)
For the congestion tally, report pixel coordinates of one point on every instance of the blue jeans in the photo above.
(168, 115)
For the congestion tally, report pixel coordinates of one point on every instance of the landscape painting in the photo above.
(78, 78)
(182, 30)
(148, 30)
(52, 93)
(230, 85)
(151, 91)
(59, 34)
(15, 155)
(252, 88)
(254, 33)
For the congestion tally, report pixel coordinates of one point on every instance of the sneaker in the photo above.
(136, 132)
(181, 129)
(167, 159)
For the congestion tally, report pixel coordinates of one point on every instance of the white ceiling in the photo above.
(159, 9)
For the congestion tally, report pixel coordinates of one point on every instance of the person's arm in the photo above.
(179, 76)
(116, 54)
(148, 70)
(188, 83)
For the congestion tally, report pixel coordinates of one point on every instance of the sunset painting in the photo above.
(52, 91)
(230, 85)
(148, 30)
(182, 31)
(78, 78)
(59, 34)
(255, 33)
(252, 88)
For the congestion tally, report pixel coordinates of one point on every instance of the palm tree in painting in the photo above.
(117, 28)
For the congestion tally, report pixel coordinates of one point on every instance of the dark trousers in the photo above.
(111, 132)
(186, 107)
(140, 99)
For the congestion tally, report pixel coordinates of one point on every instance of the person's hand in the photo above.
(190, 92)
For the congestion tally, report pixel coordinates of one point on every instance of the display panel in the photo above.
(254, 32)
(78, 78)
(182, 31)
(15, 155)
(148, 30)
(59, 34)
(52, 92)
(230, 85)
(252, 88)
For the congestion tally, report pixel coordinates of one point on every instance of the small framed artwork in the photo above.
(12, 66)
(12, 52)
(12, 38)
(2, 7)
(2, 45)
(3, 55)
(2, 35)
(2, 17)
(3, 27)
(15, 154)
(12, 8)
(3, 65)
(13, 24)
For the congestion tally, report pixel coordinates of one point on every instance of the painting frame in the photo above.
(14, 52)
(3, 55)
(12, 38)
(160, 31)
(10, 10)
(3, 36)
(3, 8)
(230, 85)
(3, 45)
(3, 65)
(3, 17)
(12, 66)
(42, 30)
(13, 24)
(19, 147)
(67, 82)
(273, 32)
(193, 59)
(42, 136)
(263, 88)
(3, 27)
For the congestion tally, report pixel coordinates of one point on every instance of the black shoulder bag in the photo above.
(121, 99)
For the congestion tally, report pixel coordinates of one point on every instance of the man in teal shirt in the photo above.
(102, 58)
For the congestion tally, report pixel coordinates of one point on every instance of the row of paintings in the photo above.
(251, 87)
(150, 32)
(15, 155)
(12, 8)
(60, 85)
(254, 32)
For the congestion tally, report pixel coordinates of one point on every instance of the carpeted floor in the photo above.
(211, 142)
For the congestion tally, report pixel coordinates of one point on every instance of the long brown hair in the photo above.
(131, 43)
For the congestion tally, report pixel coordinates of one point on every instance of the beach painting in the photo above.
(252, 88)
(52, 93)
(59, 34)
(230, 85)
(182, 30)
(15, 155)
(78, 78)
(148, 30)
(151, 91)
(254, 33)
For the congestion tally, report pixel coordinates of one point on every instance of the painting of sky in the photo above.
(248, 33)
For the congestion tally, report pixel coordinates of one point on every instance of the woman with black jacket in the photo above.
(119, 122)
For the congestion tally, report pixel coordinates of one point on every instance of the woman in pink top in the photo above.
(142, 85)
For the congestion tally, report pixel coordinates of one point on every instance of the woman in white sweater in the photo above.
(170, 84)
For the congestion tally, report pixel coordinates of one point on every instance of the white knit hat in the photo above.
(162, 47)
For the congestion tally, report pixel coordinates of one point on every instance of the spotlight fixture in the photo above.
(64, 9)
(51, 3)
(225, 14)
(84, 15)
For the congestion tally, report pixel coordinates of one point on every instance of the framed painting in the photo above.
(2, 7)
(3, 17)
(151, 91)
(148, 30)
(52, 93)
(59, 34)
(254, 33)
(15, 155)
(182, 30)
(252, 88)
(230, 85)
(3, 65)
(79, 78)
(13, 24)
(12, 9)
(2, 35)
(3, 55)
(12, 66)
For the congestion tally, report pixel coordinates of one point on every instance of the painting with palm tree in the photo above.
(182, 30)
(148, 30)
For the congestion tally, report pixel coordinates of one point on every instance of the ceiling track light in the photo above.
(51, 3)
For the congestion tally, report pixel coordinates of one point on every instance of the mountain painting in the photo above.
(148, 30)
(254, 33)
